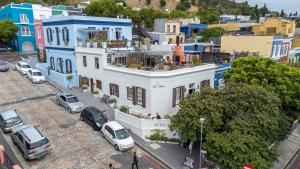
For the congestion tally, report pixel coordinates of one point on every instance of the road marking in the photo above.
(152, 162)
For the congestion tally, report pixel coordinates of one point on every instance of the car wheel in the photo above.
(69, 110)
(81, 118)
(94, 127)
(57, 101)
(102, 134)
(117, 147)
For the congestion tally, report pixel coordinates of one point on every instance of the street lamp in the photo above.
(201, 123)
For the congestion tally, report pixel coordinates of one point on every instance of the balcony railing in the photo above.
(105, 44)
(24, 20)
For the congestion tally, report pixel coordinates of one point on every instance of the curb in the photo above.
(164, 163)
(48, 81)
(295, 153)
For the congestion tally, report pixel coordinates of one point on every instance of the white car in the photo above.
(35, 76)
(23, 67)
(117, 135)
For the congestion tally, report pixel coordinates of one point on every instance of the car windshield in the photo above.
(25, 66)
(72, 99)
(12, 120)
(37, 74)
(122, 134)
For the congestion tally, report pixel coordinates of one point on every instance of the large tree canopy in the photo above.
(211, 33)
(8, 32)
(276, 77)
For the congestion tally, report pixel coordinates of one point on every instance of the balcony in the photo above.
(104, 44)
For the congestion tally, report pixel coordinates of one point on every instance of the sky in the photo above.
(276, 5)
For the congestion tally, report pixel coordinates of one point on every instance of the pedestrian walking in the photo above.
(110, 166)
(135, 161)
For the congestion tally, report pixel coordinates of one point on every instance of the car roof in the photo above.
(67, 94)
(32, 134)
(23, 63)
(114, 125)
(8, 114)
(93, 109)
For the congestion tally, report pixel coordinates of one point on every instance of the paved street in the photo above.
(74, 144)
(295, 163)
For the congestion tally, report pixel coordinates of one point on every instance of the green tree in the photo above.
(178, 14)
(162, 3)
(8, 32)
(276, 77)
(264, 10)
(107, 8)
(212, 33)
(148, 2)
(208, 15)
(282, 13)
(183, 5)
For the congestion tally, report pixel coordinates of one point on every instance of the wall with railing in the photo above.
(143, 127)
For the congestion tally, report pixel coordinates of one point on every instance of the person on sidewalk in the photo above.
(110, 166)
(135, 161)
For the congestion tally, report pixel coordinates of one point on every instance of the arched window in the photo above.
(52, 64)
(68, 66)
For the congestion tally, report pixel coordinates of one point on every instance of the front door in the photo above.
(92, 85)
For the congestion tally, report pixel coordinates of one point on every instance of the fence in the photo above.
(143, 127)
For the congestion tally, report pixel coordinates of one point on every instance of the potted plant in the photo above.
(95, 43)
(87, 40)
(96, 93)
(124, 109)
(85, 88)
(69, 78)
(112, 101)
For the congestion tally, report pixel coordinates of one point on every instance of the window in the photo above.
(57, 36)
(174, 28)
(129, 93)
(85, 81)
(168, 28)
(105, 28)
(52, 65)
(65, 32)
(99, 84)
(118, 33)
(24, 18)
(191, 88)
(178, 94)
(139, 96)
(114, 89)
(49, 35)
(25, 31)
(97, 63)
(91, 32)
(221, 83)
(84, 61)
(204, 84)
(68, 66)
(39, 33)
(108, 58)
(121, 60)
(274, 50)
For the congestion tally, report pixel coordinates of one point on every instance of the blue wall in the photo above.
(12, 12)
(188, 29)
(194, 47)
(221, 69)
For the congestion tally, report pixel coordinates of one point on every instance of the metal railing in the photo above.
(105, 44)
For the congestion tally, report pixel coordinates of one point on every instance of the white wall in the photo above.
(40, 12)
(159, 85)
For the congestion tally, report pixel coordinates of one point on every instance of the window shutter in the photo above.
(117, 90)
(88, 81)
(67, 35)
(48, 38)
(64, 35)
(134, 95)
(174, 97)
(182, 88)
(100, 84)
(80, 81)
(143, 98)
(110, 89)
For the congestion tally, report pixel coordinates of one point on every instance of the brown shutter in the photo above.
(117, 90)
(133, 95)
(174, 97)
(143, 98)
(80, 81)
(88, 81)
(182, 88)
(110, 89)
(100, 84)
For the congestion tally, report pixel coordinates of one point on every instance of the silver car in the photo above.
(4, 66)
(70, 102)
(31, 142)
(9, 119)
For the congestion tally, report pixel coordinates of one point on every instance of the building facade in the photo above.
(192, 30)
(64, 33)
(22, 16)
(143, 91)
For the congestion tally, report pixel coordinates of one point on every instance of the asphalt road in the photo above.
(295, 163)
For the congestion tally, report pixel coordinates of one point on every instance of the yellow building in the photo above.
(227, 27)
(261, 45)
(296, 42)
(275, 26)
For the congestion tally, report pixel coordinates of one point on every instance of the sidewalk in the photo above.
(287, 149)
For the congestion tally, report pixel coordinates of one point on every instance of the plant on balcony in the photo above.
(196, 61)
(96, 93)
(124, 109)
(112, 101)
(84, 88)
(69, 78)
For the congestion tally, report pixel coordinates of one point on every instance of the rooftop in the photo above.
(86, 18)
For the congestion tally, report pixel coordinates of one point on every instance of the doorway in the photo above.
(92, 85)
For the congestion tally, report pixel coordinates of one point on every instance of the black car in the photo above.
(93, 117)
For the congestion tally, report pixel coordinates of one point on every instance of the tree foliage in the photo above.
(106, 8)
(241, 122)
(208, 15)
(276, 77)
(8, 32)
(211, 33)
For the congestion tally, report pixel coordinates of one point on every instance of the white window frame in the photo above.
(139, 96)
(24, 18)
(25, 31)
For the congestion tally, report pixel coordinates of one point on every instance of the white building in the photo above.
(146, 90)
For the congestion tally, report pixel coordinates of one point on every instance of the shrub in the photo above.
(112, 100)
(163, 3)
(148, 2)
(124, 109)
(159, 135)
(96, 92)
(84, 87)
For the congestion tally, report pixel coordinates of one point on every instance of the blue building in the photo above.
(22, 16)
(191, 29)
(220, 70)
(64, 33)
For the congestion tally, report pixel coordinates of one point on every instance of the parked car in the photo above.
(35, 76)
(9, 119)
(31, 142)
(22, 67)
(93, 117)
(4, 66)
(117, 135)
(70, 102)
